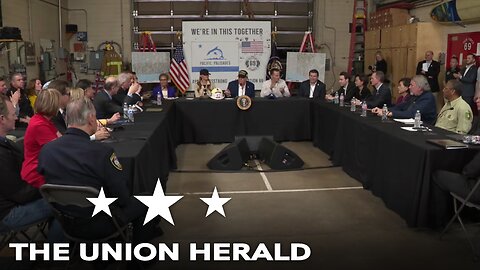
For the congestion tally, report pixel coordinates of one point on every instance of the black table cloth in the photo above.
(213, 121)
(147, 149)
(395, 164)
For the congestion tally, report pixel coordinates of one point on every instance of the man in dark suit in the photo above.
(312, 88)
(128, 90)
(241, 86)
(347, 88)
(381, 94)
(430, 69)
(104, 105)
(468, 77)
(59, 119)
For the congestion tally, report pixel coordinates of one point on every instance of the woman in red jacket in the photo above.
(40, 131)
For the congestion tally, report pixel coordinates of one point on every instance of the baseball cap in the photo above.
(204, 71)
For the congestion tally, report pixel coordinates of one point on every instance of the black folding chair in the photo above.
(65, 195)
(464, 202)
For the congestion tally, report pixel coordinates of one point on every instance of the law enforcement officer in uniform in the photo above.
(75, 160)
(456, 114)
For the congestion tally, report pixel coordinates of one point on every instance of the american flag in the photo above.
(178, 70)
(252, 46)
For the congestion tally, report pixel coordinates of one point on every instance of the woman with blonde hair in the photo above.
(33, 88)
(40, 131)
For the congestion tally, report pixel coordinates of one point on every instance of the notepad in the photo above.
(448, 144)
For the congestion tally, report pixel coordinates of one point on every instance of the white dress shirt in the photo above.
(276, 90)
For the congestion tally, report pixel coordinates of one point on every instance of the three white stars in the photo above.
(159, 204)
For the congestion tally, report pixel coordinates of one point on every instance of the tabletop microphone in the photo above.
(441, 113)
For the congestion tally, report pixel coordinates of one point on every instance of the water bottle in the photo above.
(335, 100)
(342, 100)
(130, 114)
(125, 110)
(418, 119)
(353, 107)
(384, 112)
(364, 109)
(159, 99)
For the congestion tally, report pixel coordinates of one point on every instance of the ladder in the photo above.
(358, 27)
(304, 47)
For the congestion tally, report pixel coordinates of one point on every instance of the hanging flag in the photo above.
(178, 69)
(274, 61)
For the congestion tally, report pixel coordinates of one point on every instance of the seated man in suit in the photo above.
(312, 88)
(381, 93)
(20, 203)
(128, 91)
(347, 88)
(104, 105)
(241, 86)
(59, 119)
(421, 99)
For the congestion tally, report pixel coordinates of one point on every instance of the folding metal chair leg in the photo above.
(452, 219)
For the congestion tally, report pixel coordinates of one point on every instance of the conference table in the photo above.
(394, 164)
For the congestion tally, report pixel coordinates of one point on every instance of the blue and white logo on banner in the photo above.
(215, 56)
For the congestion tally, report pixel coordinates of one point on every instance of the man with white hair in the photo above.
(421, 100)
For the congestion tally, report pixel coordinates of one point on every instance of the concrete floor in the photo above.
(345, 226)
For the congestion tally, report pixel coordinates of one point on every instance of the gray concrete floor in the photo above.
(345, 226)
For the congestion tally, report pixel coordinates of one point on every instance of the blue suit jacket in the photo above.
(249, 91)
(171, 91)
(380, 97)
(425, 103)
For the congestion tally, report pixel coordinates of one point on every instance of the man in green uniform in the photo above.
(456, 115)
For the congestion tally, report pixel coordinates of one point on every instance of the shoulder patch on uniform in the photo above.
(468, 115)
(115, 162)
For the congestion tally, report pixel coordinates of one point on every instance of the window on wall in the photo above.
(163, 18)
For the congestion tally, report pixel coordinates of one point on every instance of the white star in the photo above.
(215, 203)
(101, 203)
(158, 204)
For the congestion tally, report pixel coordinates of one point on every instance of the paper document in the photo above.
(425, 66)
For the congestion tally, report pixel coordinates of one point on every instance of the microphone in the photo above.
(441, 113)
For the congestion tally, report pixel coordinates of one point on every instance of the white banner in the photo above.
(225, 47)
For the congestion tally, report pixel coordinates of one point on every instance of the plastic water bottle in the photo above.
(353, 107)
(159, 99)
(335, 100)
(342, 100)
(364, 109)
(125, 110)
(418, 119)
(384, 112)
(130, 114)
